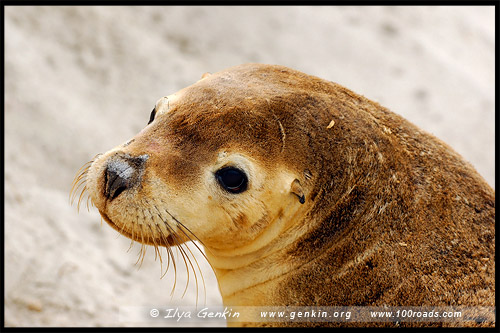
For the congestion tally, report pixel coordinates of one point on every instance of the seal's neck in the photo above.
(262, 260)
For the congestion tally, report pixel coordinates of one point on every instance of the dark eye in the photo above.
(232, 179)
(152, 116)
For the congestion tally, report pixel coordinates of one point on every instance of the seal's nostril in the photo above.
(122, 172)
(116, 183)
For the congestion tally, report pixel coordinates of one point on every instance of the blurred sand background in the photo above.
(81, 80)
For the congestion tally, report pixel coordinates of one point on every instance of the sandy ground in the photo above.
(80, 80)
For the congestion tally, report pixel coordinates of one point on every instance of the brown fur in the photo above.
(392, 215)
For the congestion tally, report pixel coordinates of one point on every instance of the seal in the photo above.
(302, 193)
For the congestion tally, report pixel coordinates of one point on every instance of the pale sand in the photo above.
(80, 80)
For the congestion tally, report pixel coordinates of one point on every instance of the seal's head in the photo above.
(215, 161)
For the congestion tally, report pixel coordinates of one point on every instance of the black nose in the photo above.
(122, 173)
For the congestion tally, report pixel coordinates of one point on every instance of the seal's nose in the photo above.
(122, 173)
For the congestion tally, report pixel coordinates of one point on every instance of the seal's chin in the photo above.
(167, 241)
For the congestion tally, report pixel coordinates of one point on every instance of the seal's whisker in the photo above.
(73, 194)
(196, 276)
(139, 255)
(143, 247)
(158, 255)
(142, 254)
(80, 181)
(82, 172)
(121, 233)
(178, 245)
(80, 178)
(186, 228)
(174, 238)
(184, 257)
(196, 237)
(170, 257)
(162, 236)
(132, 230)
(153, 236)
(75, 188)
(76, 184)
(80, 198)
(81, 195)
(169, 252)
(174, 264)
(87, 164)
(130, 246)
(154, 243)
(157, 251)
(197, 264)
(88, 199)
(175, 277)
(181, 227)
(182, 252)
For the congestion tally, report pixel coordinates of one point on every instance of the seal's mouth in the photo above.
(172, 238)
(166, 241)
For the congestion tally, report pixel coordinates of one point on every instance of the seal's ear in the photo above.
(207, 74)
(296, 189)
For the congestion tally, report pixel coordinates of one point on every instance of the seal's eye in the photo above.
(152, 116)
(232, 179)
